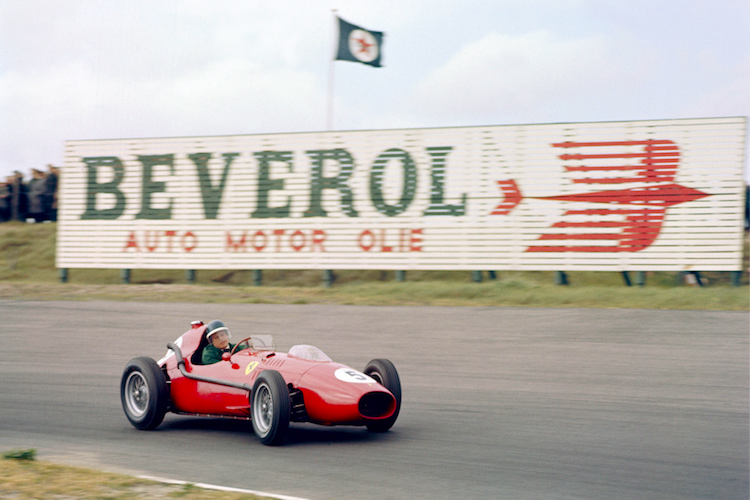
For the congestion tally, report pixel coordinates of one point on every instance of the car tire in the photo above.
(270, 407)
(386, 375)
(144, 393)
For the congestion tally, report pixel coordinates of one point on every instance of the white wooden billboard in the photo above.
(642, 195)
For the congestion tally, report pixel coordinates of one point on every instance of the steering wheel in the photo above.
(246, 340)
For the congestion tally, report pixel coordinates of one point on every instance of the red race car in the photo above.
(256, 383)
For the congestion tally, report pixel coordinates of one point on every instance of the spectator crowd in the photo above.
(33, 199)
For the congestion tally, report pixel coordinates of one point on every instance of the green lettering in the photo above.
(437, 173)
(149, 187)
(93, 188)
(318, 182)
(266, 184)
(376, 182)
(211, 196)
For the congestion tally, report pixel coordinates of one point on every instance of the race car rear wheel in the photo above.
(386, 375)
(144, 394)
(270, 407)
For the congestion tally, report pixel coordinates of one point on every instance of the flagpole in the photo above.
(329, 107)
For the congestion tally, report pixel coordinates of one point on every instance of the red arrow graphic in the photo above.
(639, 229)
(662, 196)
(613, 227)
(665, 195)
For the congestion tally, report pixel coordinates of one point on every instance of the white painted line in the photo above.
(220, 488)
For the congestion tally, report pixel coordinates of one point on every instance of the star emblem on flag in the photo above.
(363, 46)
(357, 44)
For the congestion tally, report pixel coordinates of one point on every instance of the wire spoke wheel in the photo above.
(144, 393)
(136, 393)
(263, 408)
(270, 407)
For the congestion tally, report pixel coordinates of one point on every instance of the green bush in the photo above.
(20, 454)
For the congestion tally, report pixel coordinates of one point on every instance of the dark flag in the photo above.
(358, 44)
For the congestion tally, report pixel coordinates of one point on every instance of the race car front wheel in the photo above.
(386, 375)
(144, 394)
(270, 407)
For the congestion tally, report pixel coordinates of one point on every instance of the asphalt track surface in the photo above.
(498, 402)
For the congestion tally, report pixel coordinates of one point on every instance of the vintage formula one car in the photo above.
(256, 383)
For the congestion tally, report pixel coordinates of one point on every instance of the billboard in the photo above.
(611, 196)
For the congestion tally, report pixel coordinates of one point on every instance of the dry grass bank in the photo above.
(29, 479)
(27, 272)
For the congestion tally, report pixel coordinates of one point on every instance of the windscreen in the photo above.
(262, 343)
(308, 352)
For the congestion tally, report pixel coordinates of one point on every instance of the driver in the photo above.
(218, 342)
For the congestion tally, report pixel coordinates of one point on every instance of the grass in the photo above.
(23, 479)
(27, 271)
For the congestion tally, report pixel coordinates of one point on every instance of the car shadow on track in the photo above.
(305, 434)
(298, 434)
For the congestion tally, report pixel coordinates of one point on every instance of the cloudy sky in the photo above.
(99, 69)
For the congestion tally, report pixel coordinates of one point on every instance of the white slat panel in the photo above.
(641, 195)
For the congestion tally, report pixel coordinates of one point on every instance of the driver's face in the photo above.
(220, 340)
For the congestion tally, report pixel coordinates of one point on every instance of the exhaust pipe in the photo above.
(210, 380)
